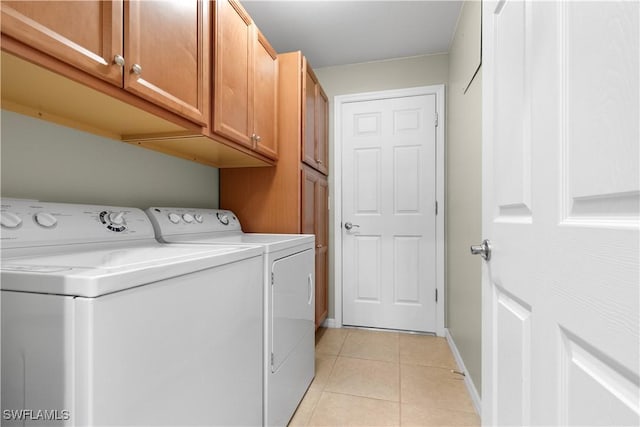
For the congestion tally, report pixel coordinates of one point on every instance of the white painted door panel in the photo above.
(561, 206)
(389, 193)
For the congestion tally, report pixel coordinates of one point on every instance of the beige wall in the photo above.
(45, 161)
(369, 77)
(464, 192)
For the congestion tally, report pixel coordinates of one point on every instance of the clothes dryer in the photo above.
(289, 297)
(103, 325)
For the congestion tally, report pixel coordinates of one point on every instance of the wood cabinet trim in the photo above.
(57, 66)
(265, 43)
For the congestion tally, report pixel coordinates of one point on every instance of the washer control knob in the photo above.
(223, 218)
(188, 218)
(174, 218)
(116, 218)
(45, 219)
(10, 220)
(199, 218)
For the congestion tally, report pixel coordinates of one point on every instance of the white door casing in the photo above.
(388, 142)
(561, 197)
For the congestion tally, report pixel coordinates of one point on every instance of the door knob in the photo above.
(484, 249)
(349, 226)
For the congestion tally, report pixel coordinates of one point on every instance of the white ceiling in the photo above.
(338, 32)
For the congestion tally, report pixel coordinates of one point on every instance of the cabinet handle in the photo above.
(319, 161)
(119, 60)
(258, 138)
(318, 246)
(137, 69)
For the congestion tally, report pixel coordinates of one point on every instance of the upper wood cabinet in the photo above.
(315, 113)
(167, 54)
(245, 81)
(160, 53)
(54, 28)
(265, 105)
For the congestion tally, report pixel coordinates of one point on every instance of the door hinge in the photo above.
(436, 295)
(272, 359)
(436, 207)
(436, 120)
(273, 280)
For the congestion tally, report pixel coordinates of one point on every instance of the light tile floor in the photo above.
(372, 378)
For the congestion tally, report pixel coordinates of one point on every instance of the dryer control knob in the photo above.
(116, 218)
(199, 218)
(10, 220)
(188, 218)
(174, 218)
(45, 219)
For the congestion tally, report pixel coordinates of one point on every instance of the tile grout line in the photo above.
(399, 384)
(323, 387)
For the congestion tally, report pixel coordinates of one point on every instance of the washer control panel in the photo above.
(170, 221)
(26, 223)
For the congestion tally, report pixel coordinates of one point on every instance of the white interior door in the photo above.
(561, 195)
(388, 195)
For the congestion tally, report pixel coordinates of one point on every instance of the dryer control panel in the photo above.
(172, 221)
(28, 223)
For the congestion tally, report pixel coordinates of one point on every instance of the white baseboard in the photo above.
(473, 392)
(331, 323)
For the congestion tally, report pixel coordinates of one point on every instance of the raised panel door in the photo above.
(389, 194)
(233, 89)
(309, 88)
(167, 55)
(87, 35)
(322, 208)
(308, 204)
(322, 124)
(322, 300)
(265, 106)
(321, 191)
(561, 207)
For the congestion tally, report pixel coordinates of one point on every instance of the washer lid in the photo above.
(99, 271)
(270, 242)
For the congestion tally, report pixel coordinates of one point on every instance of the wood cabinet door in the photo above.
(322, 130)
(233, 93)
(265, 102)
(322, 295)
(322, 236)
(167, 55)
(308, 204)
(322, 211)
(85, 34)
(309, 87)
(315, 221)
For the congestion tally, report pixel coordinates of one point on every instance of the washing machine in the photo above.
(289, 306)
(102, 325)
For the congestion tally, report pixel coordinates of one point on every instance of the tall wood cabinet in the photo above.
(127, 44)
(291, 197)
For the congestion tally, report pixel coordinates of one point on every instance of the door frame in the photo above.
(336, 188)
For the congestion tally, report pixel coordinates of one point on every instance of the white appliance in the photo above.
(289, 295)
(102, 325)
